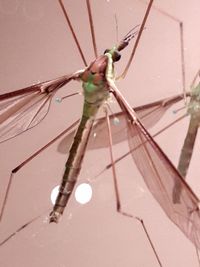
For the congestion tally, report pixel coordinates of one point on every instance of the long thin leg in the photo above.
(73, 32)
(195, 78)
(92, 27)
(118, 202)
(138, 39)
(15, 170)
(182, 60)
(197, 252)
(118, 205)
(181, 30)
(23, 227)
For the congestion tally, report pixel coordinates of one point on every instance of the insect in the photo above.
(145, 145)
(187, 149)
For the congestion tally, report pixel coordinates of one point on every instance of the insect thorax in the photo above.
(95, 85)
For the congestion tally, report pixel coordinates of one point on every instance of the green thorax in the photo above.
(95, 86)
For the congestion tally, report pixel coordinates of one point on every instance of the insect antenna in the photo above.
(116, 28)
(127, 38)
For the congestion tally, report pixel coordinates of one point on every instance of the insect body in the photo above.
(193, 111)
(96, 92)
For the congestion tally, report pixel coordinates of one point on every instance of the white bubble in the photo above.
(54, 194)
(58, 100)
(83, 193)
(116, 121)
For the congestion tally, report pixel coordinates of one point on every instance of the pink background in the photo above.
(36, 45)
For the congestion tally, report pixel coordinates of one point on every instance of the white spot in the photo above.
(54, 194)
(83, 193)
(58, 99)
(116, 121)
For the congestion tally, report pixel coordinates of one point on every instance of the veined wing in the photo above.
(160, 175)
(25, 108)
(149, 114)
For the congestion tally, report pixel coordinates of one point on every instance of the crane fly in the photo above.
(193, 109)
(25, 108)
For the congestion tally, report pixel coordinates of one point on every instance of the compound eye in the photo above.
(106, 51)
(116, 56)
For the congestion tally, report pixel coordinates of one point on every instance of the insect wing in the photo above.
(160, 176)
(25, 108)
(149, 114)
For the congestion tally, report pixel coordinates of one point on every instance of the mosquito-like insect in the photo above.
(98, 82)
(187, 149)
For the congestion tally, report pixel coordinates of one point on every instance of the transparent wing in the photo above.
(149, 114)
(25, 108)
(160, 175)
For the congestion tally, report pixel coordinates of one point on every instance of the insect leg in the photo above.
(118, 202)
(15, 170)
